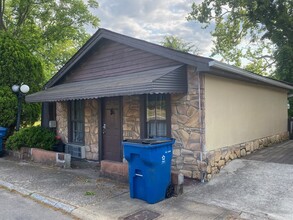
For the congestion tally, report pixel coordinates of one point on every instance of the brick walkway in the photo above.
(280, 153)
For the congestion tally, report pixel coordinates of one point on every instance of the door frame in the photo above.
(101, 120)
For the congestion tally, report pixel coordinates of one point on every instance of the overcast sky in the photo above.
(151, 20)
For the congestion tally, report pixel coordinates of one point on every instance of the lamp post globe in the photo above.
(24, 88)
(20, 91)
(15, 88)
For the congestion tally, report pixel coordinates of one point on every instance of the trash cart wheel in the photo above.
(170, 191)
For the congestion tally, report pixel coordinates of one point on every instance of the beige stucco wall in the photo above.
(237, 111)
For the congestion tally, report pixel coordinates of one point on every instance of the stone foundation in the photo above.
(215, 160)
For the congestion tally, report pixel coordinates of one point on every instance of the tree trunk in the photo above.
(2, 9)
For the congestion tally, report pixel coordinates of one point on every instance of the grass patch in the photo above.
(88, 193)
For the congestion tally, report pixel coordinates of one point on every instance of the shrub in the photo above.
(36, 137)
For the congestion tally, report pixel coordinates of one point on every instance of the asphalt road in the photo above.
(16, 207)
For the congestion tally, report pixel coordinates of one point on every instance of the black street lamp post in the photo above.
(20, 91)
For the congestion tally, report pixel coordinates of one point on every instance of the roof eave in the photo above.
(248, 75)
(74, 59)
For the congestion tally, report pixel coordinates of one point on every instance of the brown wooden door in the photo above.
(111, 126)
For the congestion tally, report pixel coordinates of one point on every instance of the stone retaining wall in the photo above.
(215, 160)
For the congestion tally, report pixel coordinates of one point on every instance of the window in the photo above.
(156, 116)
(76, 122)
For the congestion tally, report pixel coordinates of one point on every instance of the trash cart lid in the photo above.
(151, 141)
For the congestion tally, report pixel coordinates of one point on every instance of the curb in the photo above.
(78, 212)
(86, 214)
(43, 199)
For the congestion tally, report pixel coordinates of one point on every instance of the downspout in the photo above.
(202, 146)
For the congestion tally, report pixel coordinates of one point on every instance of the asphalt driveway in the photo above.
(281, 153)
(260, 189)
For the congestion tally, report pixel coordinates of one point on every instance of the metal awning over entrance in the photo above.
(164, 80)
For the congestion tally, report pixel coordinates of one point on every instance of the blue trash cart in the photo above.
(149, 167)
(3, 132)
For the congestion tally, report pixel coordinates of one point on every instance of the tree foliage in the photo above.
(277, 18)
(17, 65)
(177, 43)
(52, 30)
(8, 107)
(259, 31)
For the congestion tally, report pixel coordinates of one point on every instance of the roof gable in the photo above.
(114, 59)
(101, 34)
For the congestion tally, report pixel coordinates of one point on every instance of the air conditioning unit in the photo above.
(75, 150)
(52, 124)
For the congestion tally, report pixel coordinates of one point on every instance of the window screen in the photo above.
(77, 121)
(156, 119)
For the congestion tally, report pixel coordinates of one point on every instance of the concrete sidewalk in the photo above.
(82, 193)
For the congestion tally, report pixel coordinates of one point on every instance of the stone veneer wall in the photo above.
(91, 129)
(186, 117)
(90, 126)
(185, 127)
(61, 119)
(216, 159)
(131, 117)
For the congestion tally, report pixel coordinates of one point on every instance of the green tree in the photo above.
(8, 104)
(52, 30)
(177, 43)
(277, 19)
(17, 65)
(258, 31)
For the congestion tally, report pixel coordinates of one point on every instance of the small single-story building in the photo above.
(117, 87)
